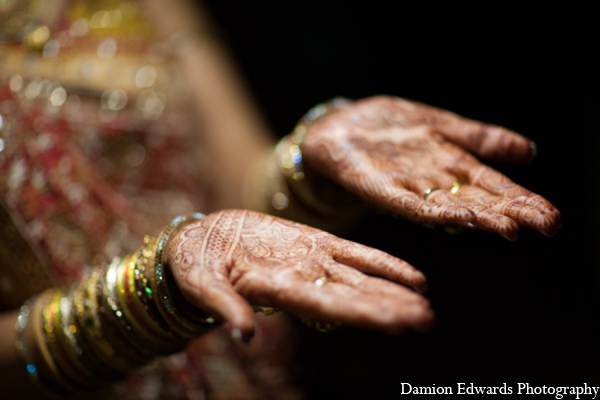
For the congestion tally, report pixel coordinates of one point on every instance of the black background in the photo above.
(506, 312)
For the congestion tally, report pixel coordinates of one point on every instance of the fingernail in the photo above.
(510, 238)
(236, 334)
(532, 150)
(548, 233)
(426, 323)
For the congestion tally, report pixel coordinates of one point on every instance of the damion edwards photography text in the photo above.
(520, 388)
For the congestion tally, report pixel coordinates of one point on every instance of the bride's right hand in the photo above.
(230, 259)
(414, 161)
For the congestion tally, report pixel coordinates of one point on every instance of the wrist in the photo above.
(111, 323)
(283, 184)
(183, 317)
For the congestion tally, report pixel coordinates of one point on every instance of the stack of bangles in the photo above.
(112, 322)
(290, 161)
(285, 186)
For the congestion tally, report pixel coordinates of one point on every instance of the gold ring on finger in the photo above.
(321, 281)
(429, 191)
(456, 187)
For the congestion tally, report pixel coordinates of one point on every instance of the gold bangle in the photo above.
(101, 329)
(310, 192)
(70, 366)
(126, 357)
(23, 346)
(46, 363)
(290, 157)
(77, 345)
(87, 306)
(143, 334)
(144, 301)
(133, 349)
(158, 279)
(135, 333)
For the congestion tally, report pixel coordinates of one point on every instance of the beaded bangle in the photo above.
(144, 334)
(144, 300)
(142, 308)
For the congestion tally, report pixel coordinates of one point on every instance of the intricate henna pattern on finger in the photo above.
(371, 261)
(487, 141)
(390, 151)
(274, 262)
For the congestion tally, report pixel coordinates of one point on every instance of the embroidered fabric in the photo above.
(97, 148)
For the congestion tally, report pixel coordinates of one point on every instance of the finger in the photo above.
(497, 214)
(215, 294)
(342, 273)
(341, 303)
(382, 190)
(488, 141)
(530, 209)
(376, 262)
(419, 210)
(487, 219)
(528, 212)
(337, 302)
(492, 221)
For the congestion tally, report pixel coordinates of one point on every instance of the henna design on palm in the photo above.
(390, 151)
(234, 258)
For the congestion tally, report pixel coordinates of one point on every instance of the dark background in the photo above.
(506, 312)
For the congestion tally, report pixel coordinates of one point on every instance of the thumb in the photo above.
(215, 294)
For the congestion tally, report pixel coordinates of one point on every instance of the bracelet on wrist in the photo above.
(283, 184)
(110, 323)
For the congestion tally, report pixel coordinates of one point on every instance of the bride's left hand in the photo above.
(414, 161)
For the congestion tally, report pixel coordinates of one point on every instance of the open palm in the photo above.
(231, 259)
(412, 160)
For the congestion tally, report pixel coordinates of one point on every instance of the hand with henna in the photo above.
(414, 161)
(232, 259)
